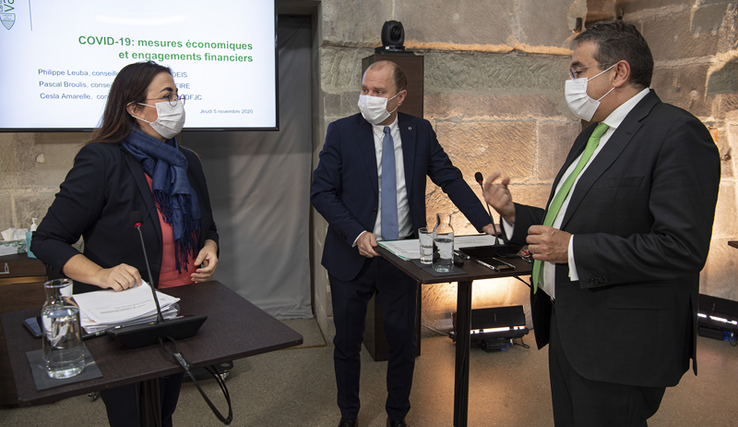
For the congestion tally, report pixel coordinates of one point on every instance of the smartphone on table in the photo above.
(496, 264)
(33, 324)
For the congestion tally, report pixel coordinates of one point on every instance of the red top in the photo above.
(168, 276)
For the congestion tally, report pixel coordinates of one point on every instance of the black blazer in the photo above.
(345, 185)
(95, 201)
(641, 216)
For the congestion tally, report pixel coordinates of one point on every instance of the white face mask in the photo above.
(374, 108)
(170, 118)
(579, 102)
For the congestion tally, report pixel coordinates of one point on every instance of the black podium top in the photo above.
(473, 270)
(235, 328)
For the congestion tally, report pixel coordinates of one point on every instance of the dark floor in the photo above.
(296, 388)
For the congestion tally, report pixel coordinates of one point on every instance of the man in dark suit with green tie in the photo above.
(619, 249)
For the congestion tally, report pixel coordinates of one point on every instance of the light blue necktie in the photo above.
(389, 188)
(560, 196)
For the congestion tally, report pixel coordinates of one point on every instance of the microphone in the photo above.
(149, 333)
(137, 221)
(480, 179)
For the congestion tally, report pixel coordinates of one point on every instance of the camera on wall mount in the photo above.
(393, 37)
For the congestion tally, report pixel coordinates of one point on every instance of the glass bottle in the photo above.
(443, 244)
(62, 336)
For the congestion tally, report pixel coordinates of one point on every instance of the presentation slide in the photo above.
(60, 58)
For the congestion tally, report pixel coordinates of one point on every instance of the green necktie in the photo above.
(560, 196)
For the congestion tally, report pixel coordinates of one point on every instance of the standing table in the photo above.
(235, 328)
(474, 271)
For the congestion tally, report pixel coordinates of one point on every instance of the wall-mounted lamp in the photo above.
(577, 26)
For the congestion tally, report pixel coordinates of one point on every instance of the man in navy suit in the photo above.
(620, 252)
(347, 191)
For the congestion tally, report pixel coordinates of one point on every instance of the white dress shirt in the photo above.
(404, 224)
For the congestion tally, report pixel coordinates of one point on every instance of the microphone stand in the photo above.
(159, 317)
(480, 181)
(150, 333)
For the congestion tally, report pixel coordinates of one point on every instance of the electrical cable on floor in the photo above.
(186, 365)
(522, 344)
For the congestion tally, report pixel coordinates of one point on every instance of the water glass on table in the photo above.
(425, 238)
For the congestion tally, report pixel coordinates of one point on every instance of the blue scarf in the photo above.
(173, 194)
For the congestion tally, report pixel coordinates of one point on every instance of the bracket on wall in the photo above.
(583, 13)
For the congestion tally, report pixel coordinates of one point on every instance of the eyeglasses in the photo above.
(574, 72)
(172, 99)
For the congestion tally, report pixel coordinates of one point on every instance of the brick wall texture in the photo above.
(494, 77)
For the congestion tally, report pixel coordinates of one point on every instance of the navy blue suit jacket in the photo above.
(345, 185)
(641, 216)
(95, 201)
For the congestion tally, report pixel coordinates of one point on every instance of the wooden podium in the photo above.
(375, 340)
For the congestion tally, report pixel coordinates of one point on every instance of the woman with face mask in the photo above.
(133, 163)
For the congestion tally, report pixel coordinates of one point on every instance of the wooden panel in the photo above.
(375, 339)
(16, 280)
(16, 297)
(22, 296)
(19, 265)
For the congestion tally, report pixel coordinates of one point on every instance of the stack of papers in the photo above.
(410, 248)
(106, 309)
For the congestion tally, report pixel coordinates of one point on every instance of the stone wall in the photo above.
(32, 165)
(494, 73)
(694, 48)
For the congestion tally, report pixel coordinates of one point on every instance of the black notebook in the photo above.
(486, 252)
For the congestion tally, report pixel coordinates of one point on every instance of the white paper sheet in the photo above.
(106, 308)
(408, 249)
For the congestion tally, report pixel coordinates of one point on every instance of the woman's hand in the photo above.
(118, 278)
(207, 259)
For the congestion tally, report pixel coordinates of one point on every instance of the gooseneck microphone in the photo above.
(480, 179)
(150, 333)
(137, 221)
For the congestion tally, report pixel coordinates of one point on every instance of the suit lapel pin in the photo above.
(409, 128)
